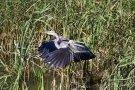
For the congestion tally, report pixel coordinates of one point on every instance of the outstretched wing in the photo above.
(46, 48)
(80, 51)
(59, 58)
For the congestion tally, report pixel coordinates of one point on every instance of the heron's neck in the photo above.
(57, 45)
(57, 41)
(57, 38)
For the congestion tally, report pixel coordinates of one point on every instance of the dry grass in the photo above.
(107, 27)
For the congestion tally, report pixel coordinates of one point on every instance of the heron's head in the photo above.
(50, 32)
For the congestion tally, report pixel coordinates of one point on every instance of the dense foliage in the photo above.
(107, 27)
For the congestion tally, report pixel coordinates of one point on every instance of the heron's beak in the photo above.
(47, 32)
(50, 32)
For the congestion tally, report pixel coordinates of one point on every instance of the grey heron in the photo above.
(60, 52)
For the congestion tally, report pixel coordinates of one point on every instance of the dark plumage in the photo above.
(61, 52)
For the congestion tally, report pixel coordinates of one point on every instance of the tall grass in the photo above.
(106, 27)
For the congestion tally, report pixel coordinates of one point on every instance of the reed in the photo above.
(106, 27)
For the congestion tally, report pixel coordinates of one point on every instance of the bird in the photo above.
(61, 52)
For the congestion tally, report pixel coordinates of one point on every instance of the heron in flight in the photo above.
(61, 52)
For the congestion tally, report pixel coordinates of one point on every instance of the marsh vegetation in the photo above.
(107, 27)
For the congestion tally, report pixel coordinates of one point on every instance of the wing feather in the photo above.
(54, 62)
(51, 57)
(80, 51)
(63, 60)
(47, 46)
(59, 58)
